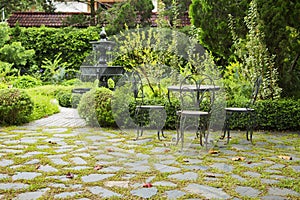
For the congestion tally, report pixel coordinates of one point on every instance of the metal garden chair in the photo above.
(248, 112)
(146, 116)
(196, 106)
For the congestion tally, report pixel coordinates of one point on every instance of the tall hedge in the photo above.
(47, 42)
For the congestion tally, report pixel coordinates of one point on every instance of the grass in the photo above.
(264, 152)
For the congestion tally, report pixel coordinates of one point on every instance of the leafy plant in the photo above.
(95, 107)
(254, 55)
(16, 54)
(55, 70)
(5, 70)
(43, 106)
(4, 33)
(15, 106)
(64, 98)
(26, 81)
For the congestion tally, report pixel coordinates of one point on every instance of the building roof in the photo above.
(36, 19)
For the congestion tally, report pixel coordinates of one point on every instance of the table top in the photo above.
(193, 87)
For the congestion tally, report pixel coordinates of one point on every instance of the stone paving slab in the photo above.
(69, 161)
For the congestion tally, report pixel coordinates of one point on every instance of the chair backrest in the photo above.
(188, 93)
(255, 90)
(137, 87)
(207, 92)
(197, 92)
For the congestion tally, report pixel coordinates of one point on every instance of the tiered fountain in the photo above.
(95, 65)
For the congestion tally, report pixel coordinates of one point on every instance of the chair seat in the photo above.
(151, 107)
(233, 109)
(193, 113)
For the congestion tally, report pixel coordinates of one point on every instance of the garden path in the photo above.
(73, 161)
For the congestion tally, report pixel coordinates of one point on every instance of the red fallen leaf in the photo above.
(97, 167)
(147, 185)
(110, 150)
(167, 150)
(69, 175)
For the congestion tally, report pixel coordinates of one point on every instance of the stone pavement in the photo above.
(60, 158)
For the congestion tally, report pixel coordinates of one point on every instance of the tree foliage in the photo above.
(128, 14)
(10, 6)
(211, 17)
(255, 56)
(281, 27)
(173, 10)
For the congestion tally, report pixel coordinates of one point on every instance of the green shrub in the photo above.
(64, 98)
(44, 106)
(95, 107)
(26, 82)
(3, 86)
(281, 114)
(73, 81)
(72, 43)
(49, 90)
(75, 99)
(15, 106)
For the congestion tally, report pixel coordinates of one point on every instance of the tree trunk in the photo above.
(93, 14)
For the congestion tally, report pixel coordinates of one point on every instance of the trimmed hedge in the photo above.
(15, 106)
(280, 115)
(73, 43)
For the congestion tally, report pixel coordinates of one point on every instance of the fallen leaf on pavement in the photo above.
(238, 158)
(97, 167)
(167, 150)
(213, 152)
(69, 175)
(210, 176)
(147, 185)
(285, 157)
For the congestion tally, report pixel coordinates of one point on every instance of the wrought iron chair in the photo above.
(248, 112)
(146, 116)
(196, 107)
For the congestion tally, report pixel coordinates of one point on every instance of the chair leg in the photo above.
(200, 137)
(206, 139)
(137, 132)
(182, 123)
(228, 136)
(225, 126)
(162, 134)
(251, 133)
(177, 129)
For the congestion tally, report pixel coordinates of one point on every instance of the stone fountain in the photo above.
(95, 65)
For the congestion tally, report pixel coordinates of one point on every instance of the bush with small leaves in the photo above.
(26, 82)
(15, 106)
(95, 107)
